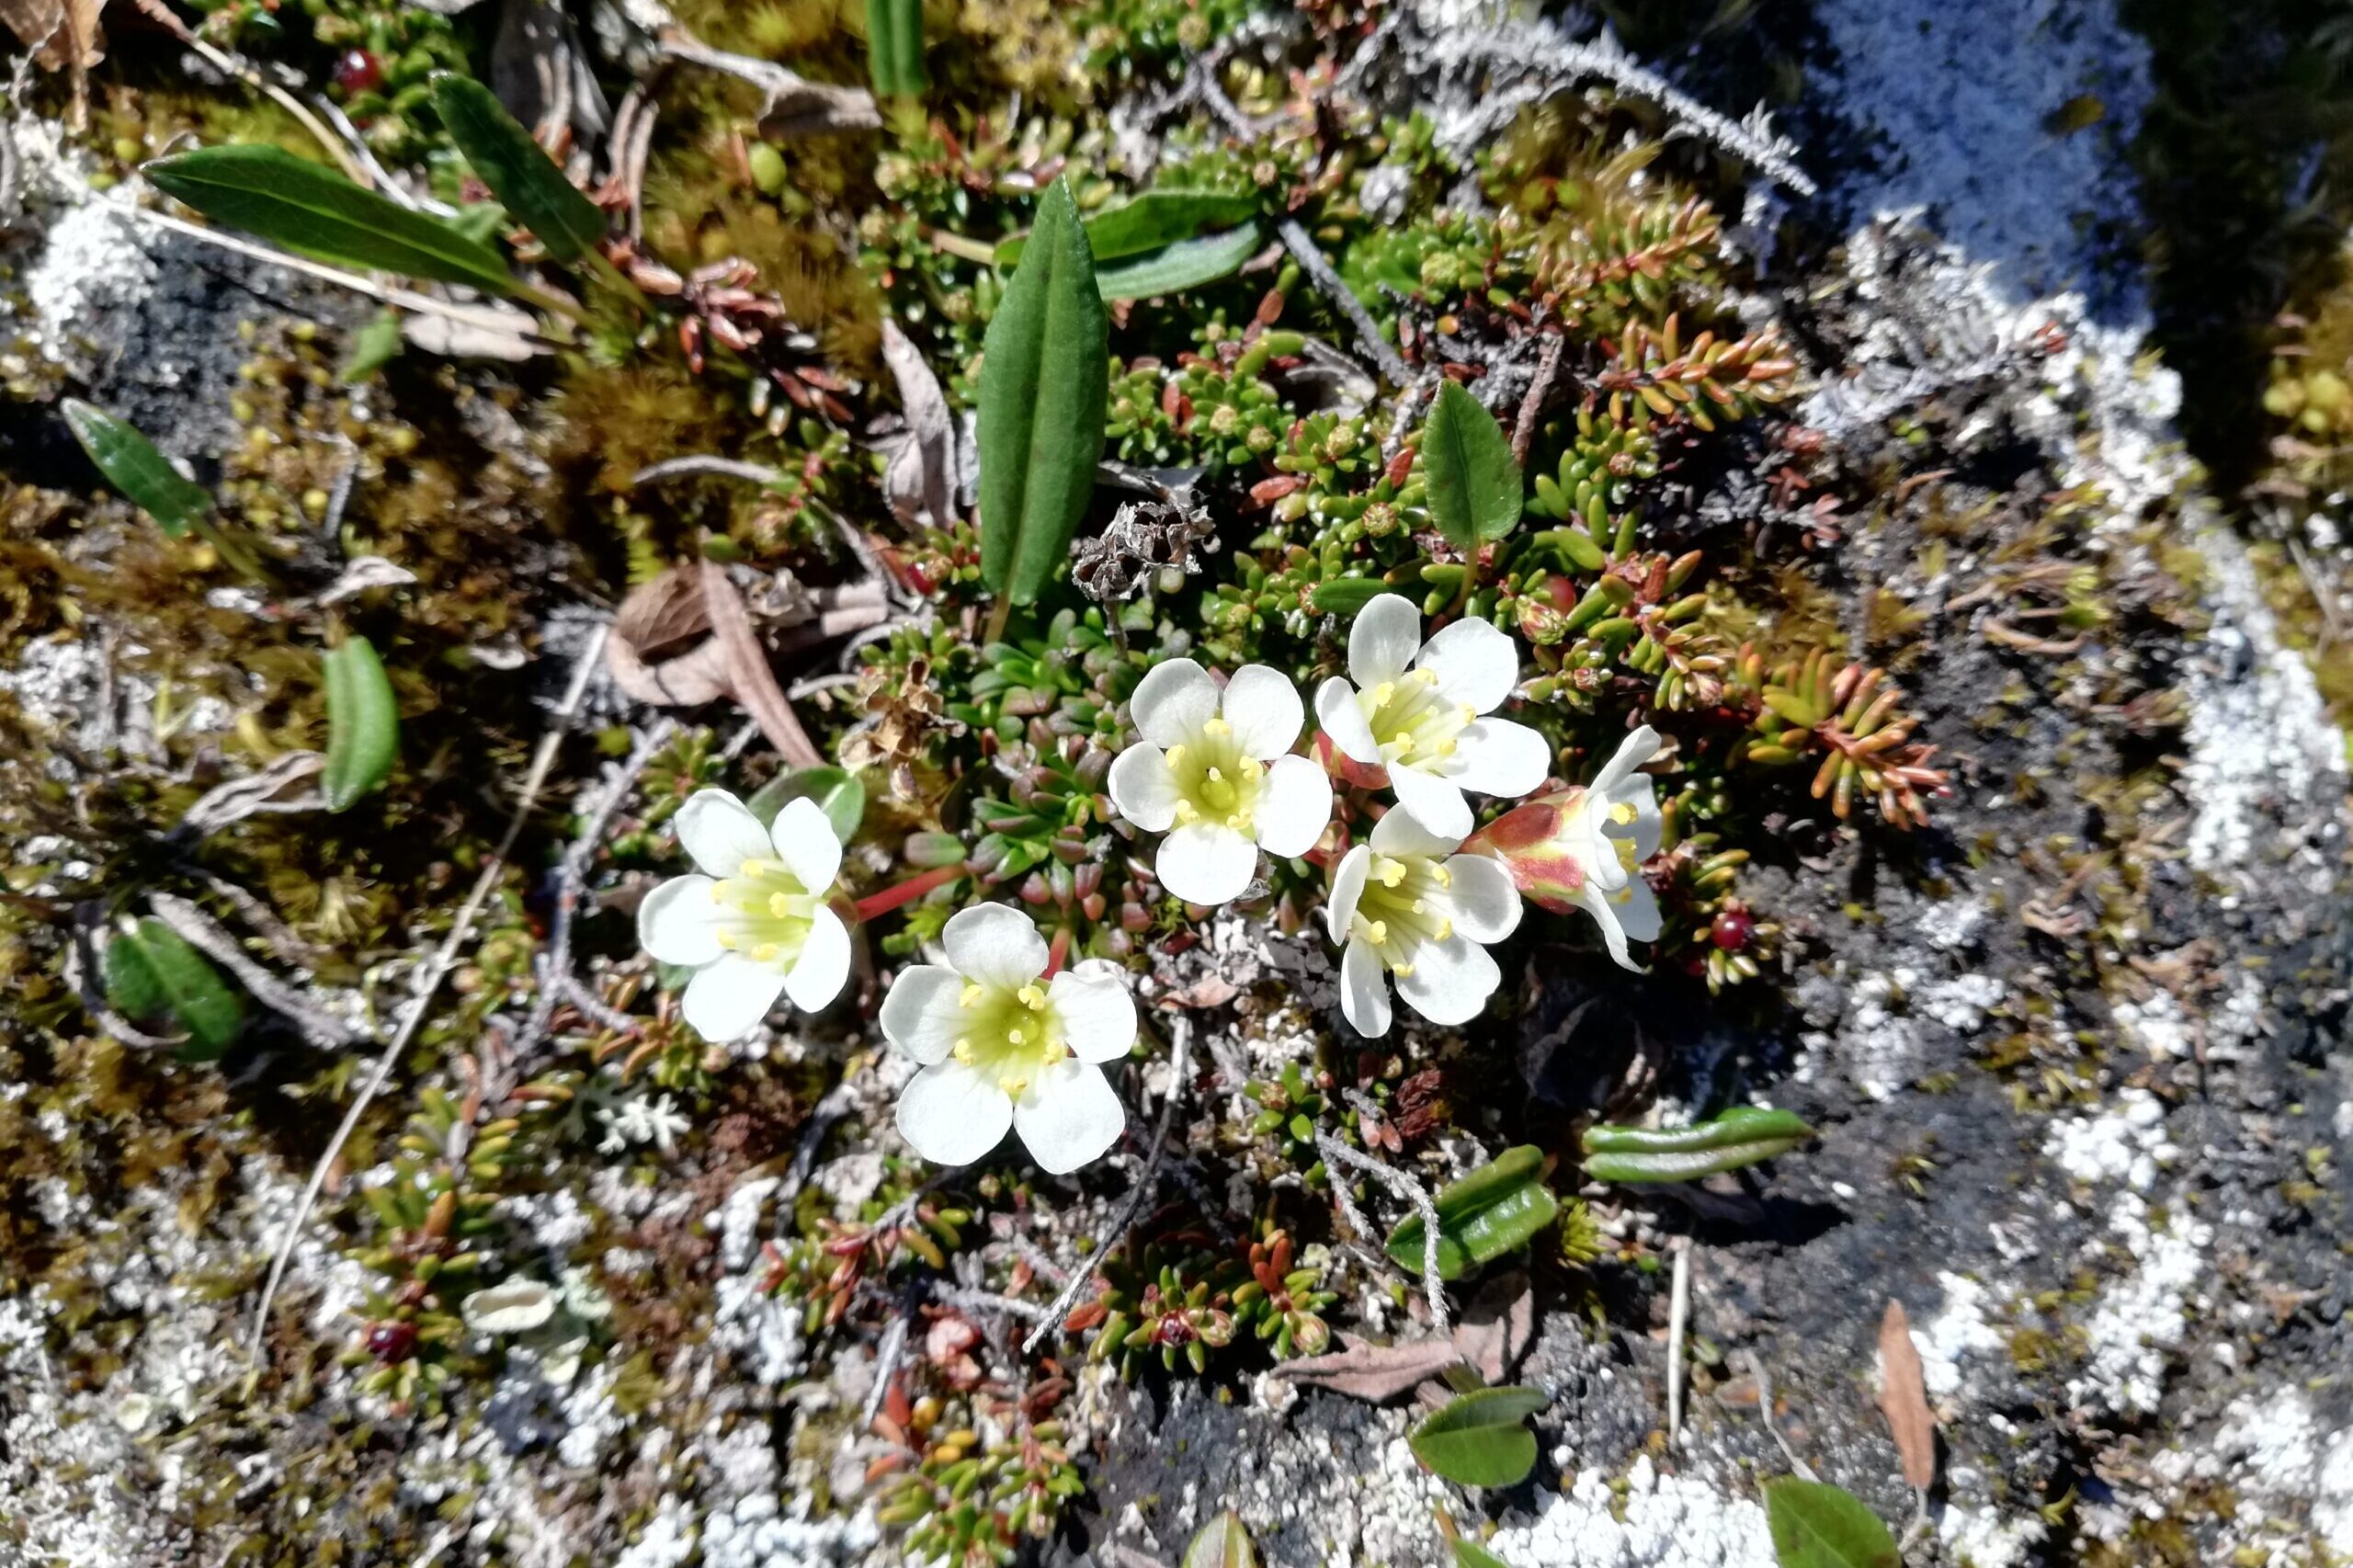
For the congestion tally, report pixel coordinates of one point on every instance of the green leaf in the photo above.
(1496, 1208)
(894, 48)
(363, 724)
(1741, 1136)
(525, 179)
(373, 346)
(840, 794)
(152, 975)
(313, 211)
(1469, 1554)
(1223, 1543)
(1478, 1439)
(1819, 1526)
(1186, 264)
(1045, 375)
(1150, 221)
(133, 466)
(1474, 490)
(1346, 595)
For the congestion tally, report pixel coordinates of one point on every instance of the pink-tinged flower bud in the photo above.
(1539, 842)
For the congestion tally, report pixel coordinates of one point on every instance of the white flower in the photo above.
(1583, 848)
(1423, 723)
(1000, 1049)
(1222, 785)
(754, 921)
(1406, 904)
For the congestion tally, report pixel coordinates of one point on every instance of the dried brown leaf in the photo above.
(60, 32)
(747, 670)
(921, 474)
(1903, 1398)
(1373, 1373)
(1496, 1326)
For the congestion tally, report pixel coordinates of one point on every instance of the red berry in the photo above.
(1732, 930)
(389, 1341)
(358, 71)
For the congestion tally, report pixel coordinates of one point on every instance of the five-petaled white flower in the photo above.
(1584, 848)
(1001, 1047)
(1425, 723)
(1406, 904)
(753, 920)
(1222, 784)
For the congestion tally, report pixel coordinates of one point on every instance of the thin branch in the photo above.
(577, 992)
(989, 1302)
(1312, 261)
(1678, 1316)
(731, 468)
(886, 1364)
(209, 937)
(1540, 391)
(1772, 1427)
(1335, 1152)
(245, 70)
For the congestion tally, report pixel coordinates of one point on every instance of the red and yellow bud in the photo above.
(1539, 842)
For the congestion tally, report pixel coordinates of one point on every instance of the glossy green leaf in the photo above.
(154, 976)
(363, 724)
(1346, 595)
(133, 466)
(519, 172)
(373, 346)
(314, 211)
(1481, 1439)
(1186, 264)
(894, 48)
(1741, 1136)
(1469, 1554)
(1223, 1543)
(1475, 488)
(1150, 223)
(838, 792)
(1496, 1208)
(1044, 380)
(1818, 1526)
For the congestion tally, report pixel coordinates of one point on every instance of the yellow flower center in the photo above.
(1407, 902)
(1215, 782)
(1009, 1033)
(764, 912)
(1412, 724)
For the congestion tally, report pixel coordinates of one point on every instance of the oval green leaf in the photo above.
(525, 179)
(132, 465)
(1346, 595)
(1186, 264)
(363, 724)
(152, 975)
(840, 794)
(1474, 488)
(273, 194)
(1045, 376)
(1818, 1526)
(1496, 1208)
(1479, 1440)
(894, 48)
(1150, 221)
(1223, 1543)
(1741, 1136)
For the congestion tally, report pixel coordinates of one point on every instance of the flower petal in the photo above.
(995, 944)
(1487, 904)
(1348, 887)
(1386, 636)
(1637, 909)
(727, 998)
(1294, 806)
(1495, 756)
(1172, 702)
(1646, 830)
(1449, 980)
(1638, 747)
(1613, 936)
(1206, 863)
(720, 833)
(953, 1114)
(1364, 989)
(1342, 717)
(1474, 662)
(1098, 1014)
(675, 922)
(1437, 803)
(1142, 788)
(1068, 1116)
(803, 836)
(1400, 832)
(1265, 711)
(823, 967)
(923, 1015)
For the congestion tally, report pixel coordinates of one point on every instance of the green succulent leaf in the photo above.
(894, 48)
(1185, 264)
(1471, 1555)
(1346, 595)
(313, 211)
(1151, 222)
(1818, 1526)
(1045, 376)
(1479, 1438)
(1475, 488)
(1223, 1543)
(363, 724)
(373, 346)
(1496, 1208)
(133, 466)
(1741, 1136)
(153, 975)
(839, 792)
(525, 179)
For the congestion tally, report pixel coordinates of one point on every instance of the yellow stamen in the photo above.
(1621, 814)
(1032, 997)
(766, 952)
(724, 939)
(972, 993)
(1252, 769)
(1013, 1086)
(1402, 971)
(1442, 876)
(1445, 929)
(1446, 747)
(962, 1051)
(1383, 692)
(1217, 727)
(1174, 756)
(779, 904)
(1390, 872)
(1188, 813)
(1376, 932)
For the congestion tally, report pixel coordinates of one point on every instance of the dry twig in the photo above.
(1335, 1152)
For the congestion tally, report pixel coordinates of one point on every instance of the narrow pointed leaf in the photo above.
(1496, 1208)
(1474, 488)
(1186, 264)
(1471, 1555)
(1481, 1438)
(275, 196)
(1223, 1543)
(1741, 1136)
(363, 724)
(1819, 1526)
(894, 48)
(153, 975)
(1044, 378)
(838, 793)
(1150, 223)
(133, 466)
(525, 179)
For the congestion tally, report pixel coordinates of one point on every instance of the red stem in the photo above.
(1059, 952)
(914, 888)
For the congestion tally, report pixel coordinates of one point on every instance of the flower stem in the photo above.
(998, 614)
(914, 888)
